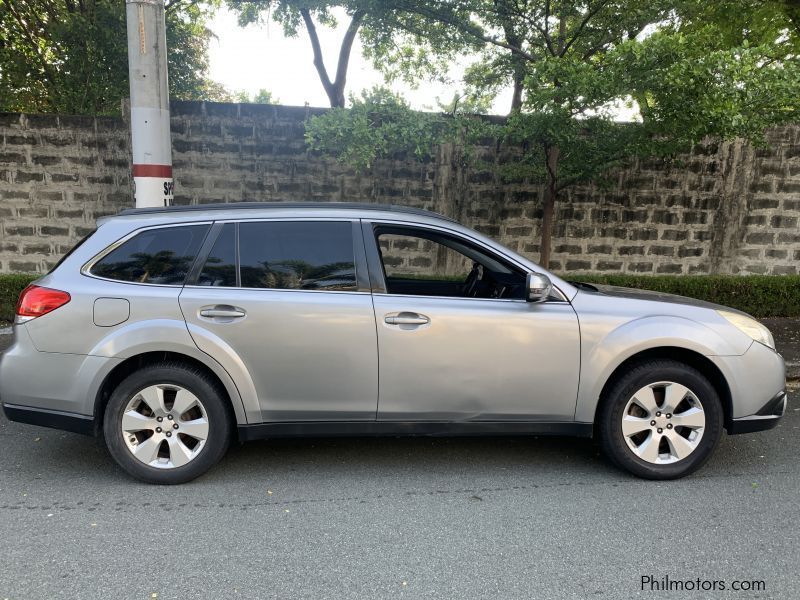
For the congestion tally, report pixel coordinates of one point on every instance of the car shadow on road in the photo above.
(481, 453)
(55, 453)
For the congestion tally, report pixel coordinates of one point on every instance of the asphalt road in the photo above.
(396, 518)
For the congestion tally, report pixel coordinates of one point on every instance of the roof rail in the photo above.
(284, 205)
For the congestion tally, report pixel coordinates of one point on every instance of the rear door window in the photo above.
(300, 255)
(160, 256)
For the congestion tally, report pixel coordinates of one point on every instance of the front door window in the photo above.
(427, 263)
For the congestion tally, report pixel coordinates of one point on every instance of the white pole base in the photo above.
(153, 191)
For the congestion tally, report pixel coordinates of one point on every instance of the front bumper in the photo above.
(766, 418)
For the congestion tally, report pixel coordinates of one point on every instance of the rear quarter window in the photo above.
(72, 250)
(160, 256)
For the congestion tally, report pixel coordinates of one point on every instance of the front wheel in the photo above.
(167, 424)
(661, 420)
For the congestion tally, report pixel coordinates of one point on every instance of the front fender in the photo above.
(602, 351)
(170, 335)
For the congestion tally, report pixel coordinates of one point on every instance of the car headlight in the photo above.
(750, 327)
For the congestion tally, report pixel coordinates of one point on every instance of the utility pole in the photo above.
(150, 134)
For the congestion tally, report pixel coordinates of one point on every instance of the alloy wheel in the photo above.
(663, 422)
(165, 426)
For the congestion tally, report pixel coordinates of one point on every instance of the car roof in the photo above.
(175, 210)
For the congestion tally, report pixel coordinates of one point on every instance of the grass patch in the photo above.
(10, 288)
(759, 295)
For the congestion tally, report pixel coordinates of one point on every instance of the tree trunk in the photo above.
(334, 89)
(516, 98)
(517, 61)
(551, 192)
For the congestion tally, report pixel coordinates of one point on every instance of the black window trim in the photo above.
(86, 269)
(359, 255)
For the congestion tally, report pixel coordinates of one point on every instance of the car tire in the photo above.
(675, 438)
(167, 423)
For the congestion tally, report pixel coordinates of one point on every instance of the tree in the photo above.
(378, 124)
(70, 56)
(375, 21)
(290, 13)
(687, 67)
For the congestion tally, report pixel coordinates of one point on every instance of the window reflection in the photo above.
(299, 275)
(162, 256)
(220, 267)
(297, 255)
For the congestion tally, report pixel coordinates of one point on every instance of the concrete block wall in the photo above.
(724, 208)
(57, 175)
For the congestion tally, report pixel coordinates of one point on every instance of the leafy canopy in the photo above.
(683, 69)
(70, 56)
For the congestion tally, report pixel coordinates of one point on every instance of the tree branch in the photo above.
(347, 46)
(173, 4)
(319, 62)
(545, 30)
(591, 13)
(471, 32)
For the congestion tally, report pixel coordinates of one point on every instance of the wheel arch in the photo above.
(689, 357)
(144, 359)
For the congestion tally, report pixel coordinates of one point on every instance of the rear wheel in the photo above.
(660, 420)
(167, 424)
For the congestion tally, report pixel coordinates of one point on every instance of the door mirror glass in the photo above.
(537, 287)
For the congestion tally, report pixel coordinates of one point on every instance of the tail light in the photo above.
(35, 301)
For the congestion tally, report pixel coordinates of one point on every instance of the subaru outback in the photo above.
(171, 332)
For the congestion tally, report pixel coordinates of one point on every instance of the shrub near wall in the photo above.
(10, 288)
(759, 295)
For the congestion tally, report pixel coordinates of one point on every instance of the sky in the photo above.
(259, 56)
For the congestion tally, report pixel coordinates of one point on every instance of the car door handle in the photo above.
(406, 318)
(222, 312)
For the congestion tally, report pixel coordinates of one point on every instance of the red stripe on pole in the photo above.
(162, 171)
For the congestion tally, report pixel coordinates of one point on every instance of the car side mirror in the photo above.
(537, 287)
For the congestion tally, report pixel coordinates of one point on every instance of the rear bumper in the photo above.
(51, 381)
(50, 418)
(766, 418)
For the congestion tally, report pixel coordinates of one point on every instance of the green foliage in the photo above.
(262, 96)
(188, 38)
(379, 124)
(286, 12)
(692, 68)
(67, 56)
(10, 288)
(759, 295)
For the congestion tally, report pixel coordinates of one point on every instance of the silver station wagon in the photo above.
(173, 332)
